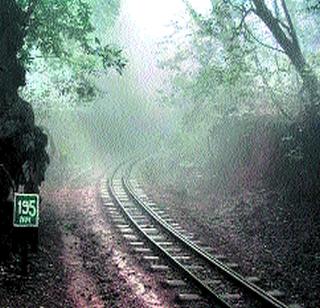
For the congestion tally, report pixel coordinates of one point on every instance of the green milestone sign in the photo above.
(26, 210)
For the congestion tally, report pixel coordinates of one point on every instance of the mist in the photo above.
(200, 117)
(128, 118)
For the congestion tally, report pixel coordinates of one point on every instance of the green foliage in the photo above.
(55, 86)
(55, 24)
(63, 34)
(313, 6)
(105, 13)
(236, 65)
(237, 84)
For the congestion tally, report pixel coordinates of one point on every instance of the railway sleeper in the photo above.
(113, 210)
(126, 230)
(197, 242)
(157, 237)
(151, 258)
(231, 296)
(121, 194)
(146, 226)
(143, 221)
(177, 227)
(122, 200)
(119, 220)
(136, 244)
(213, 282)
(169, 220)
(150, 230)
(275, 293)
(109, 204)
(159, 267)
(138, 217)
(253, 279)
(130, 237)
(115, 216)
(128, 204)
(189, 236)
(122, 226)
(104, 195)
(166, 217)
(232, 265)
(142, 250)
(173, 249)
(194, 267)
(174, 283)
(159, 212)
(182, 257)
(183, 297)
(165, 243)
(134, 213)
(141, 194)
(220, 257)
(151, 203)
(129, 207)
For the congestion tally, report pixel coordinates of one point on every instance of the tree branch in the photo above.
(292, 30)
(244, 16)
(261, 43)
(288, 44)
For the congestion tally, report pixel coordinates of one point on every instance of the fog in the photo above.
(221, 97)
(199, 97)
(128, 118)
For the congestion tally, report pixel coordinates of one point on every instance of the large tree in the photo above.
(262, 46)
(280, 24)
(47, 29)
(285, 34)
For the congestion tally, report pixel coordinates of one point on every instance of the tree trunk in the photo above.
(291, 47)
(309, 139)
(19, 137)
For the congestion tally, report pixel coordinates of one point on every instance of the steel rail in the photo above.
(203, 287)
(261, 295)
(259, 292)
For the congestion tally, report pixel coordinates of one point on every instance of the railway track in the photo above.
(202, 277)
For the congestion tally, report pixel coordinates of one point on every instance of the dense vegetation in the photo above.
(246, 79)
(56, 37)
(229, 115)
(241, 100)
(61, 33)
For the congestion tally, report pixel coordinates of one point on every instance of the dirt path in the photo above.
(80, 262)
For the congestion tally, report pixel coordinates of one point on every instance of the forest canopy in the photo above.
(245, 65)
(61, 41)
(57, 40)
(233, 48)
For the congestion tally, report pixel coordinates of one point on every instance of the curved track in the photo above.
(152, 232)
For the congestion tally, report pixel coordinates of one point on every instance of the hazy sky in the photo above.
(151, 17)
(142, 24)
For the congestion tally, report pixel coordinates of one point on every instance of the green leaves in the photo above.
(63, 28)
(237, 68)
(313, 6)
(111, 56)
(63, 34)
